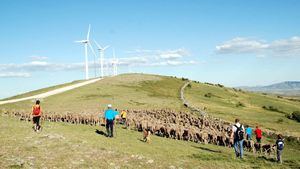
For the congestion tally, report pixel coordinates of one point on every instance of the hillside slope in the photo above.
(43, 90)
(252, 108)
(140, 91)
(134, 91)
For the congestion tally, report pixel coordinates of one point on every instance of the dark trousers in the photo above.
(258, 140)
(36, 121)
(110, 127)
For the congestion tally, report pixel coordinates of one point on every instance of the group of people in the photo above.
(110, 115)
(238, 133)
(257, 131)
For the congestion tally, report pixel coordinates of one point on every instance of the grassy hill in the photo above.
(62, 145)
(140, 91)
(43, 90)
(227, 104)
(80, 147)
(133, 91)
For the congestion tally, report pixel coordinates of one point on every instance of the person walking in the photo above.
(238, 137)
(110, 115)
(36, 113)
(249, 133)
(280, 145)
(258, 134)
(123, 116)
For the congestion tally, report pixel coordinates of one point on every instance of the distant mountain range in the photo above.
(291, 88)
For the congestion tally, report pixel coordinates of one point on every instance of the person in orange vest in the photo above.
(36, 113)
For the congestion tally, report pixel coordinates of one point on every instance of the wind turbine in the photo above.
(101, 50)
(86, 43)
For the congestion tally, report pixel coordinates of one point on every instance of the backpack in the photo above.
(239, 134)
(36, 110)
(280, 145)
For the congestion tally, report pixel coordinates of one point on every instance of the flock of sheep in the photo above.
(165, 123)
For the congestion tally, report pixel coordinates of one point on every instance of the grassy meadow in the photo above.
(61, 145)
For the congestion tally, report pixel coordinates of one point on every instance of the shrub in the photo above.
(219, 85)
(280, 120)
(208, 95)
(240, 104)
(209, 83)
(189, 85)
(272, 108)
(296, 115)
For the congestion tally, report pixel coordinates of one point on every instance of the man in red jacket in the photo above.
(258, 134)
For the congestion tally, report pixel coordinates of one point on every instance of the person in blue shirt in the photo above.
(249, 133)
(110, 116)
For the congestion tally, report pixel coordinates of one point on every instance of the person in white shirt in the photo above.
(238, 138)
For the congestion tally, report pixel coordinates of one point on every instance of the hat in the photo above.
(109, 106)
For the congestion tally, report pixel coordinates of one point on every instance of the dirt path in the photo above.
(186, 103)
(52, 92)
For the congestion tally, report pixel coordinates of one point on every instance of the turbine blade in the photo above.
(99, 47)
(88, 34)
(79, 41)
(106, 47)
(92, 49)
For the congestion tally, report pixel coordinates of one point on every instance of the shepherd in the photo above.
(110, 116)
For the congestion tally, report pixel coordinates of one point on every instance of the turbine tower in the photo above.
(101, 50)
(86, 43)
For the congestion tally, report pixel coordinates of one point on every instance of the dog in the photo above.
(146, 136)
(257, 147)
(267, 149)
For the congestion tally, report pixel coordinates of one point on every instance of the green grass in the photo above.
(77, 146)
(43, 90)
(135, 91)
(141, 91)
(62, 145)
(223, 104)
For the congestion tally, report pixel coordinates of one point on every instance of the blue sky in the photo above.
(235, 43)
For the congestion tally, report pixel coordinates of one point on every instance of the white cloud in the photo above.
(133, 61)
(286, 47)
(173, 63)
(39, 66)
(38, 58)
(174, 54)
(139, 58)
(242, 45)
(282, 47)
(161, 54)
(146, 57)
(14, 75)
